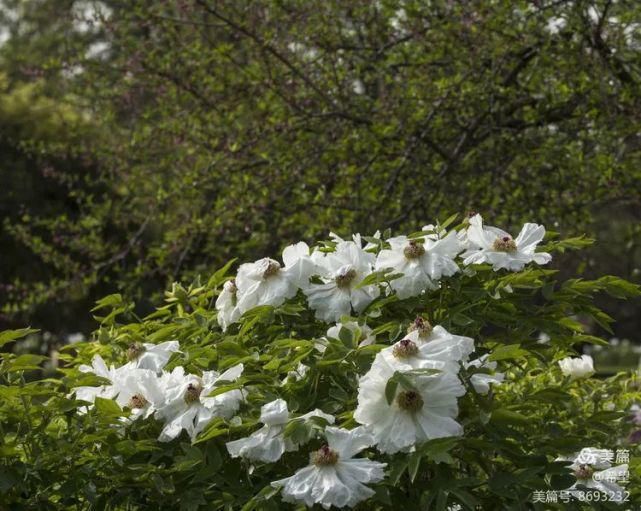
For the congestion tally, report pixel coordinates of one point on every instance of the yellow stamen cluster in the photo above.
(414, 249)
(324, 457)
(409, 401)
(344, 280)
(137, 401)
(405, 349)
(134, 351)
(504, 244)
(272, 269)
(192, 394)
(421, 325)
(584, 472)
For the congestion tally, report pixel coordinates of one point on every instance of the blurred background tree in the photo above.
(145, 142)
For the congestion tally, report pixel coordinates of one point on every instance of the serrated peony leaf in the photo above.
(12, 335)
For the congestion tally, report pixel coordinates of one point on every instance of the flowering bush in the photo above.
(431, 371)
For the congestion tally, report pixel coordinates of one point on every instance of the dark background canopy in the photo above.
(146, 142)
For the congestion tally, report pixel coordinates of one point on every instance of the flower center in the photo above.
(137, 401)
(344, 279)
(410, 401)
(504, 244)
(273, 267)
(192, 394)
(134, 351)
(414, 249)
(405, 349)
(324, 457)
(421, 325)
(584, 472)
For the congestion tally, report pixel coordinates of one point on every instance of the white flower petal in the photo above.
(577, 368)
(156, 356)
(274, 413)
(347, 443)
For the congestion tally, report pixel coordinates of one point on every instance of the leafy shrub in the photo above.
(439, 386)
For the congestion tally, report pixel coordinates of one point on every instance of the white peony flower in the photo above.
(335, 477)
(341, 272)
(365, 336)
(415, 415)
(227, 305)
(496, 247)
(422, 261)
(592, 470)
(577, 368)
(444, 354)
(151, 356)
(266, 282)
(269, 443)
(482, 381)
(187, 405)
(143, 392)
(107, 391)
(421, 331)
(140, 390)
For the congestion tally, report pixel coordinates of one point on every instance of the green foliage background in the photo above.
(144, 142)
(513, 435)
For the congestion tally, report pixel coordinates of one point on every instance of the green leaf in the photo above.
(8, 478)
(265, 494)
(390, 390)
(437, 450)
(224, 388)
(619, 288)
(448, 221)
(572, 324)
(577, 243)
(347, 336)
(405, 379)
(378, 277)
(114, 300)
(423, 371)
(26, 362)
(505, 416)
(163, 333)
(219, 275)
(299, 431)
(214, 429)
(466, 498)
(413, 464)
(507, 352)
(397, 469)
(107, 407)
(461, 319)
(551, 395)
(12, 335)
